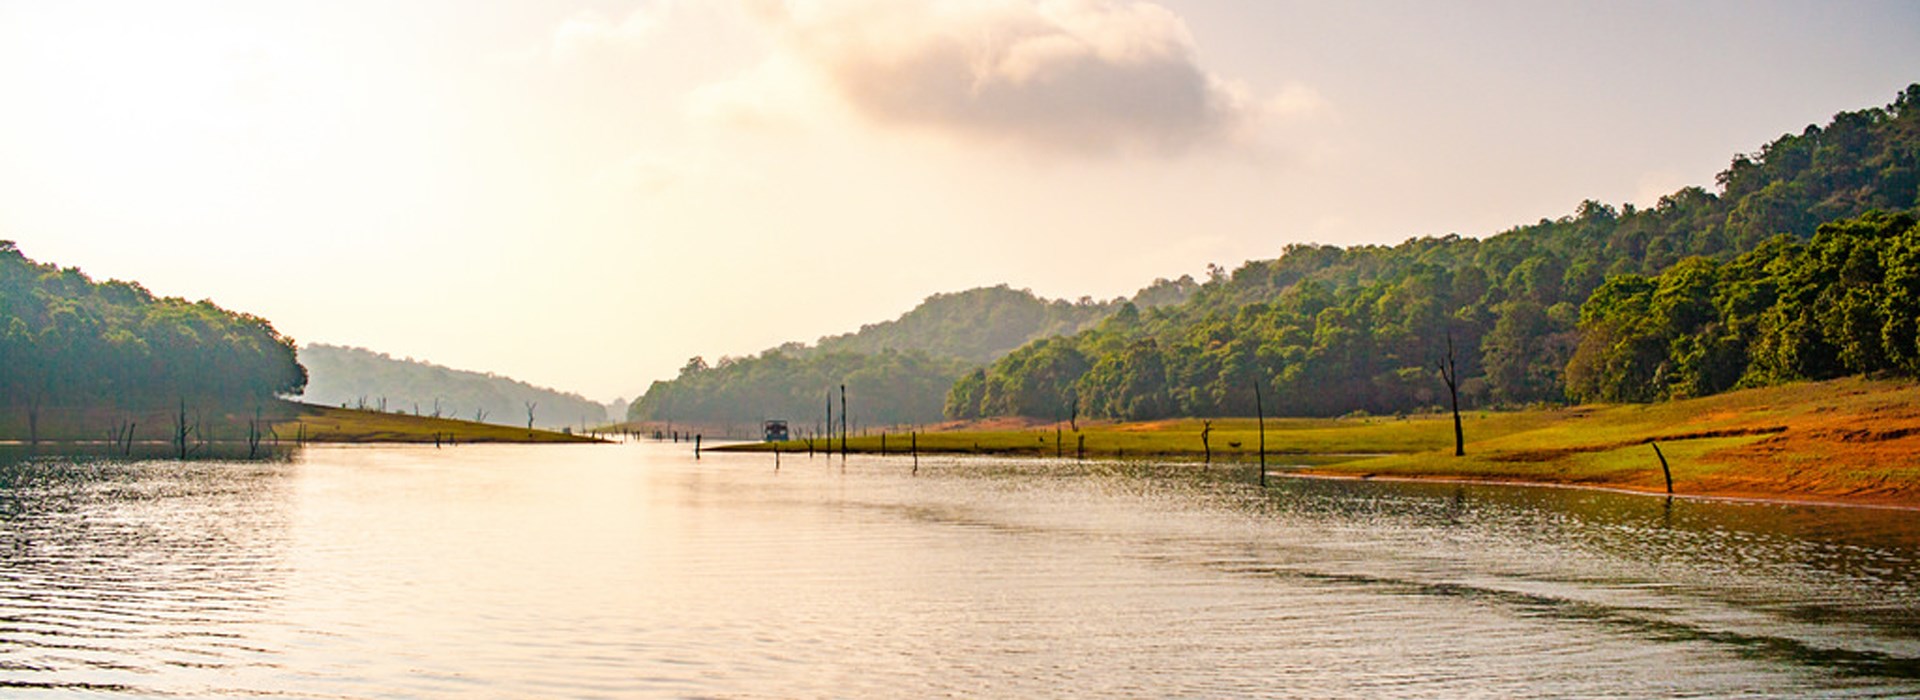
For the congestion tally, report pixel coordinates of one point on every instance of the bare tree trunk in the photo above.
(1451, 375)
(1663, 466)
(180, 430)
(1260, 409)
(1206, 431)
(33, 420)
(253, 434)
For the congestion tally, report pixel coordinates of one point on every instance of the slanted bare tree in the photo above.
(530, 406)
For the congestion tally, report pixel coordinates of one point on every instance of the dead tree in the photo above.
(1260, 409)
(530, 406)
(479, 415)
(180, 430)
(33, 419)
(1664, 469)
(1451, 375)
(253, 435)
(1206, 431)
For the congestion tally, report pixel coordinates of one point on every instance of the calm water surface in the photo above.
(634, 570)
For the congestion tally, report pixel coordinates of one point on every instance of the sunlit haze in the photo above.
(585, 194)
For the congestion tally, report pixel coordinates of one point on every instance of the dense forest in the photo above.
(360, 378)
(67, 341)
(1586, 306)
(896, 372)
(883, 388)
(1704, 291)
(1843, 303)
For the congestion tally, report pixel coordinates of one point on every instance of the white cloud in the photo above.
(776, 93)
(590, 33)
(1066, 76)
(1297, 101)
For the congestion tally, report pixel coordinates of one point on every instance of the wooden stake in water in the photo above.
(696, 447)
(915, 447)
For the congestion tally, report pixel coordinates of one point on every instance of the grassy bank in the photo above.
(329, 424)
(282, 421)
(1849, 440)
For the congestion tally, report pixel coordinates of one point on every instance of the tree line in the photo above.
(884, 388)
(897, 371)
(68, 341)
(1703, 291)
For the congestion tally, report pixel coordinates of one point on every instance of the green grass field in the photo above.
(1849, 440)
(329, 424)
(1231, 439)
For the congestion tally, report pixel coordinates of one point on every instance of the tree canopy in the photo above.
(66, 340)
(1612, 303)
(900, 370)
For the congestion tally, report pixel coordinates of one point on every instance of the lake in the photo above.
(637, 570)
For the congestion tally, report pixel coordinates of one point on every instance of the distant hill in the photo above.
(361, 378)
(981, 324)
(897, 371)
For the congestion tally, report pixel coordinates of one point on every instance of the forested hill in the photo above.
(976, 325)
(896, 371)
(69, 342)
(1326, 331)
(360, 378)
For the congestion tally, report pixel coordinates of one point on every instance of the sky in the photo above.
(585, 194)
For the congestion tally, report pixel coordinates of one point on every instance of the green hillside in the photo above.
(69, 343)
(360, 378)
(898, 370)
(1327, 331)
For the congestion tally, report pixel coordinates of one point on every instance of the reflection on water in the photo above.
(604, 571)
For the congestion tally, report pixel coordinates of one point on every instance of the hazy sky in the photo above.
(585, 194)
